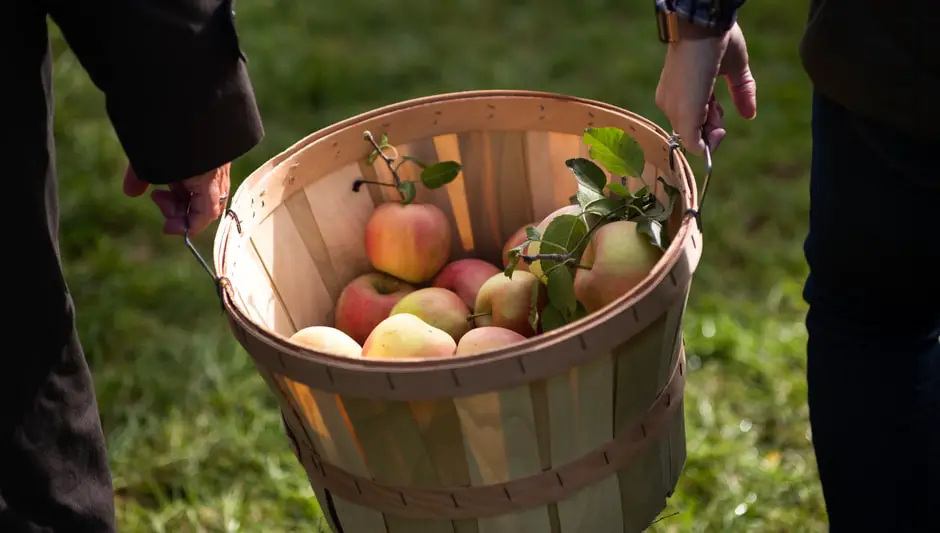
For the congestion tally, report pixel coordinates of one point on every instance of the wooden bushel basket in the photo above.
(579, 429)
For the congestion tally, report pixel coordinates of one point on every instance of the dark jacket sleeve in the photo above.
(174, 79)
(718, 14)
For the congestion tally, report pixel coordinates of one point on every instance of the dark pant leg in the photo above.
(54, 474)
(874, 318)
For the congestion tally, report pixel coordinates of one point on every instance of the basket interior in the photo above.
(312, 244)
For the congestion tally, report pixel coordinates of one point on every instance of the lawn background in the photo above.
(194, 435)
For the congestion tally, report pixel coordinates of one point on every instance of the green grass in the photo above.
(195, 438)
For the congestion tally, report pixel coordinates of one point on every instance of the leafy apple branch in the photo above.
(433, 176)
(566, 237)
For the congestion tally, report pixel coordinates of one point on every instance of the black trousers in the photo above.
(54, 475)
(873, 365)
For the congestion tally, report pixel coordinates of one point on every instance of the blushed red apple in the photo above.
(487, 338)
(465, 277)
(407, 336)
(366, 301)
(438, 307)
(411, 242)
(619, 258)
(505, 302)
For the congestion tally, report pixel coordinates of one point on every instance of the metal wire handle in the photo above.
(216, 280)
(674, 144)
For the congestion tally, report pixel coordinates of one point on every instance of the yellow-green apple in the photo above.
(487, 338)
(327, 340)
(366, 301)
(533, 248)
(465, 277)
(514, 240)
(405, 336)
(411, 242)
(438, 307)
(619, 257)
(505, 302)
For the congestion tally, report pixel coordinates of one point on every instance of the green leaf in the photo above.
(652, 229)
(618, 152)
(552, 318)
(580, 312)
(561, 290)
(407, 191)
(565, 232)
(585, 196)
(532, 233)
(607, 206)
(588, 173)
(440, 174)
(619, 190)
(534, 306)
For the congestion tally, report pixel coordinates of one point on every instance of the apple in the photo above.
(465, 277)
(533, 248)
(505, 302)
(366, 301)
(404, 336)
(411, 242)
(327, 340)
(487, 338)
(517, 238)
(438, 307)
(619, 257)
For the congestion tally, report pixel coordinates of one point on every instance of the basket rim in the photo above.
(571, 332)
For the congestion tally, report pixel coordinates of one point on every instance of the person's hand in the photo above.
(196, 201)
(686, 86)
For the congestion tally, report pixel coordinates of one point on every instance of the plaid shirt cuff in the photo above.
(719, 14)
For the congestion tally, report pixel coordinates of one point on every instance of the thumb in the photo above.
(133, 186)
(743, 89)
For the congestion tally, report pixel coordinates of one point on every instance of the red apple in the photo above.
(411, 242)
(438, 307)
(465, 277)
(619, 258)
(487, 338)
(405, 336)
(506, 303)
(366, 301)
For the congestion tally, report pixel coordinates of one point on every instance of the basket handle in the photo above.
(216, 280)
(674, 144)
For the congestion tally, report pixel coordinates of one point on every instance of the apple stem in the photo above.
(388, 162)
(475, 315)
(360, 182)
(547, 257)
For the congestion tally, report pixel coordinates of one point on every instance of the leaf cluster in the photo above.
(601, 202)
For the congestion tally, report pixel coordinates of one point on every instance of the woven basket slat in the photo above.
(578, 430)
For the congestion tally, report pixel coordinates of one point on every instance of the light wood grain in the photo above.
(501, 441)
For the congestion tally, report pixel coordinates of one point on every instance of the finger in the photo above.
(743, 89)
(133, 186)
(690, 130)
(203, 209)
(173, 208)
(714, 125)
